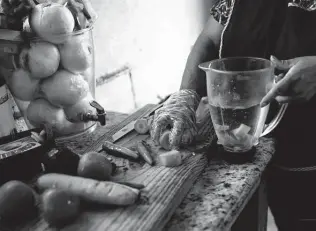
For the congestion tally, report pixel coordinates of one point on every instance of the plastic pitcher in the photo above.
(235, 88)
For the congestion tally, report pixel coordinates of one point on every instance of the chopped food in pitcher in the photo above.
(241, 131)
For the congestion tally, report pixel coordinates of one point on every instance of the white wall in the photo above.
(152, 37)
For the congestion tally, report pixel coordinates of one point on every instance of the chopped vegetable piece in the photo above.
(172, 158)
(141, 126)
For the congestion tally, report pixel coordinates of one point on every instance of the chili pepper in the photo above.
(144, 152)
(119, 151)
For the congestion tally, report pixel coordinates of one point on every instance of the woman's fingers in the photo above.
(283, 99)
(301, 96)
(279, 77)
(282, 86)
(176, 133)
(159, 124)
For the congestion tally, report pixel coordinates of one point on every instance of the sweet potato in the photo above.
(101, 192)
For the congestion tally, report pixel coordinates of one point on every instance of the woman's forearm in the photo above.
(193, 77)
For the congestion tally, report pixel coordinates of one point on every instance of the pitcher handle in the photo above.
(269, 127)
(276, 120)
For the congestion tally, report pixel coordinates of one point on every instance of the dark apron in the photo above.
(262, 28)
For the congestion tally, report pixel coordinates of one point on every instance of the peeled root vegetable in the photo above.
(172, 158)
(82, 107)
(40, 111)
(51, 21)
(102, 192)
(76, 54)
(41, 59)
(64, 89)
(23, 86)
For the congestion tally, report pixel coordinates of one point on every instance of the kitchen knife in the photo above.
(130, 127)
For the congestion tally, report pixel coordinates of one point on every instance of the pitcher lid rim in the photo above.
(238, 57)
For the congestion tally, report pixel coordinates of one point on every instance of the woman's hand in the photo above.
(298, 84)
(178, 116)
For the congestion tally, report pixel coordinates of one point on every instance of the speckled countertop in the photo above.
(221, 192)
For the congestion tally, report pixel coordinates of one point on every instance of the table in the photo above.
(225, 197)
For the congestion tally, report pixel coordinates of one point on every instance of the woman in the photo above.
(263, 28)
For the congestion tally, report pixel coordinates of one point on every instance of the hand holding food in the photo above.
(178, 116)
(164, 140)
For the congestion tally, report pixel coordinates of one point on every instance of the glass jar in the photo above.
(53, 83)
(7, 123)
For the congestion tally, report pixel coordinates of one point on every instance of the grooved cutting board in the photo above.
(165, 188)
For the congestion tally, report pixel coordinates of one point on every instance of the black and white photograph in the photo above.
(157, 115)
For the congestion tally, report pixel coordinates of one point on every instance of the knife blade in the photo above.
(130, 127)
(124, 131)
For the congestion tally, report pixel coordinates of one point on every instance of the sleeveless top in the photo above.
(285, 29)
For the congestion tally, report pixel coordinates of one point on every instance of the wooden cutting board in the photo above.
(165, 189)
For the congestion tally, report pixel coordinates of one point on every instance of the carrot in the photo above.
(101, 192)
(141, 126)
